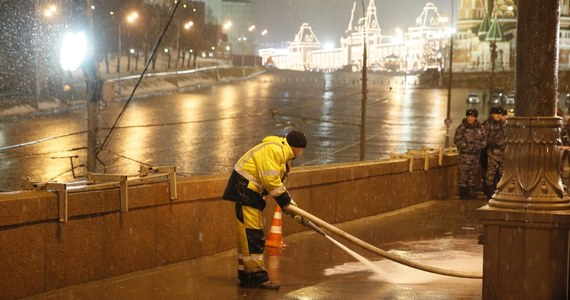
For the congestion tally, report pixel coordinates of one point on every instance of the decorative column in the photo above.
(527, 221)
(531, 178)
(532, 161)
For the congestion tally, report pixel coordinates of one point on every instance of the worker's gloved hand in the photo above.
(298, 219)
(295, 217)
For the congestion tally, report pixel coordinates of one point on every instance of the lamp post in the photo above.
(364, 91)
(130, 18)
(186, 26)
(493, 50)
(242, 40)
(94, 87)
(263, 33)
(42, 14)
(448, 115)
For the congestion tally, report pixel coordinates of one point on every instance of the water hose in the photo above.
(313, 219)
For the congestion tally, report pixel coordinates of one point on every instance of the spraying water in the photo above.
(396, 258)
(450, 253)
(359, 257)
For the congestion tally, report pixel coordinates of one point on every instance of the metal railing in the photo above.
(426, 154)
(98, 181)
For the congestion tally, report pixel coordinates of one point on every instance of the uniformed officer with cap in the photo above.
(470, 140)
(495, 149)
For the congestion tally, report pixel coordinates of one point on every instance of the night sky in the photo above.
(329, 18)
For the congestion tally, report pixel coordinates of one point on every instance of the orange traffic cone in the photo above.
(275, 238)
(273, 262)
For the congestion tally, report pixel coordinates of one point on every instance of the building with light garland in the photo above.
(484, 29)
(421, 47)
(486, 25)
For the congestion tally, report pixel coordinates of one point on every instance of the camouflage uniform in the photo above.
(469, 139)
(496, 143)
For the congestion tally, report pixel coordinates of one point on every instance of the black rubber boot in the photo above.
(267, 285)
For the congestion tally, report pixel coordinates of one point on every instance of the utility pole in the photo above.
(493, 47)
(94, 86)
(364, 90)
(448, 115)
(36, 41)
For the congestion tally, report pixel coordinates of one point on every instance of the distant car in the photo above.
(496, 99)
(473, 98)
(509, 99)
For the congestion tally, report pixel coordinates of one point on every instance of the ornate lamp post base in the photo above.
(531, 178)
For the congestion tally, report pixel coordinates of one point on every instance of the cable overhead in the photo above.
(40, 141)
(147, 64)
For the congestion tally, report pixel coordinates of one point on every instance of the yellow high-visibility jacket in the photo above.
(266, 166)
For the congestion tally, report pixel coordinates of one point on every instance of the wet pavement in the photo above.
(439, 233)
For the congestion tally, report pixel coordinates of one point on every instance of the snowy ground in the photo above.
(157, 83)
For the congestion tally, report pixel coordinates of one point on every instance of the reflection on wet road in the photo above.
(205, 131)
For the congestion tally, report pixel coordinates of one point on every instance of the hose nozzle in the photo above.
(312, 225)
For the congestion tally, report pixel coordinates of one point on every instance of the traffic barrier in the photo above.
(275, 238)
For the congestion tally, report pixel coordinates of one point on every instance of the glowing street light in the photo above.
(132, 17)
(227, 25)
(73, 51)
(50, 11)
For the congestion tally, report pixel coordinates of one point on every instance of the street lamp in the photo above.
(50, 11)
(186, 26)
(242, 40)
(41, 14)
(167, 52)
(227, 25)
(448, 120)
(130, 18)
(364, 89)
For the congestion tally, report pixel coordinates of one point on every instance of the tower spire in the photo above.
(349, 28)
(371, 22)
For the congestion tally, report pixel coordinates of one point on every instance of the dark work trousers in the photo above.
(249, 206)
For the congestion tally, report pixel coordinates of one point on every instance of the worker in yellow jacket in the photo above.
(260, 171)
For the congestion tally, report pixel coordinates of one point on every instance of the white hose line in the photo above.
(381, 252)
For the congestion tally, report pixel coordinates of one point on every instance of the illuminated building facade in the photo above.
(480, 24)
(420, 48)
